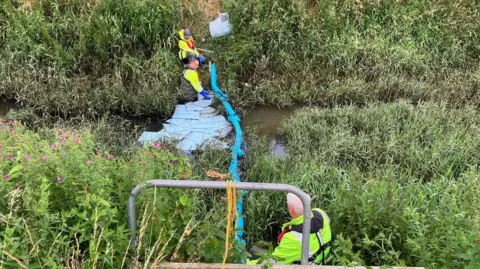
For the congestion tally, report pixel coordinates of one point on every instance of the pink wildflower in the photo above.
(44, 158)
(6, 177)
(88, 162)
(98, 151)
(144, 164)
(66, 137)
(2, 119)
(73, 132)
(59, 180)
(62, 139)
(54, 146)
(10, 122)
(77, 139)
(169, 161)
(108, 157)
(10, 156)
(157, 145)
(28, 157)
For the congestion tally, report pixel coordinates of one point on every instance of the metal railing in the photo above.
(193, 184)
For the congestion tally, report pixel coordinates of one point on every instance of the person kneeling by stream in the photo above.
(289, 249)
(191, 84)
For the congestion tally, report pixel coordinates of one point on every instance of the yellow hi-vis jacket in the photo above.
(186, 46)
(191, 84)
(289, 249)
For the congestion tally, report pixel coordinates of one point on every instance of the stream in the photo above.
(5, 106)
(264, 120)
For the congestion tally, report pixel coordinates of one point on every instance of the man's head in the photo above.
(193, 63)
(295, 205)
(187, 33)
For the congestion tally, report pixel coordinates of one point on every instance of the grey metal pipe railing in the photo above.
(193, 184)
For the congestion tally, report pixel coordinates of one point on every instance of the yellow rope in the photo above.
(231, 212)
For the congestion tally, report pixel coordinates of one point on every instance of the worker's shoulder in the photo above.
(292, 235)
(319, 210)
(188, 71)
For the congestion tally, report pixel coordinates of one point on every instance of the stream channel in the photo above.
(264, 120)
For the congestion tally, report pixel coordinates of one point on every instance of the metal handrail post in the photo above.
(193, 184)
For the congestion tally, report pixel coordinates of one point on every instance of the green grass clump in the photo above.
(424, 141)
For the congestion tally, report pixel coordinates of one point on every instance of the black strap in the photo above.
(321, 250)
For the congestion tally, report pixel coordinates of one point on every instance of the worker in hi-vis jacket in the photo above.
(191, 84)
(187, 47)
(289, 249)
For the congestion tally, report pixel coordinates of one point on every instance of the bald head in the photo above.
(295, 205)
(193, 63)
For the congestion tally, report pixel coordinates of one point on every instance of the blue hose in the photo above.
(236, 149)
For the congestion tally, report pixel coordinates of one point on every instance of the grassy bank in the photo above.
(354, 51)
(400, 182)
(425, 141)
(90, 57)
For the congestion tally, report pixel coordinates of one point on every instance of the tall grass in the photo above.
(424, 141)
(353, 51)
(88, 57)
(399, 181)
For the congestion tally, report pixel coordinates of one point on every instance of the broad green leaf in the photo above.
(15, 169)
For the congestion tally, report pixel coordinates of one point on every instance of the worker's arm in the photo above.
(289, 250)
(192, 77)
(183, 46)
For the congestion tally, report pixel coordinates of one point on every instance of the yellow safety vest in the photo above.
(191, 76)
(187, 46)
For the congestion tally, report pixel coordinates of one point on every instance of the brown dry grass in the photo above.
(28, 4)
(210, 8)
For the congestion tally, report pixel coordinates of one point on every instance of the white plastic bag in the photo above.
(221, 26)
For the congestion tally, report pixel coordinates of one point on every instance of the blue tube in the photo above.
(236, 149)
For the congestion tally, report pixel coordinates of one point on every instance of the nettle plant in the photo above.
(64, 198)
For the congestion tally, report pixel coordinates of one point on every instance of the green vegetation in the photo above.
(399, 181)
(425, 141)
(64, 204)
(344, 52)
(89, 57)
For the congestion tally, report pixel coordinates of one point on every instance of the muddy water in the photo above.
(265, 120)
(146, 124)
(5, 106)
